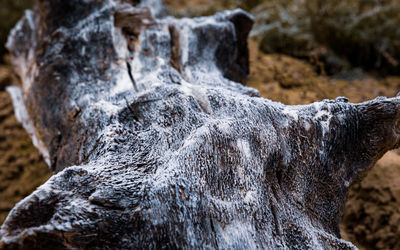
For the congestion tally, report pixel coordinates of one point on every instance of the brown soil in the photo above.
(22, 169)
(293, 81)
(184, 4)
(372, 218)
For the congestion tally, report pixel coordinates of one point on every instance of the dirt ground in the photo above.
(22, 169)
(372, 218)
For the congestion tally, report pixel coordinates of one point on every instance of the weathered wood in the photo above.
(157, 146)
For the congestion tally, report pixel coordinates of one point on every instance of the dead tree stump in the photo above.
(156, 144)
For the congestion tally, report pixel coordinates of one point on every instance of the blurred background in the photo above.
(300, 51)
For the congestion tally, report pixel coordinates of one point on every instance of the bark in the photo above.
(155, 144)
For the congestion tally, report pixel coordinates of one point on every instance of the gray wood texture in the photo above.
(156, 143)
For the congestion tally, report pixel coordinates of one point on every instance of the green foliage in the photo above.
(10, 12)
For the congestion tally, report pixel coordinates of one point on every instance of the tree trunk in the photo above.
(155, 144)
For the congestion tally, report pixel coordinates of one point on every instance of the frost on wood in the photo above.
(155, 144)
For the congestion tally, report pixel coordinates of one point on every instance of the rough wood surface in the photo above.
(155, 144)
